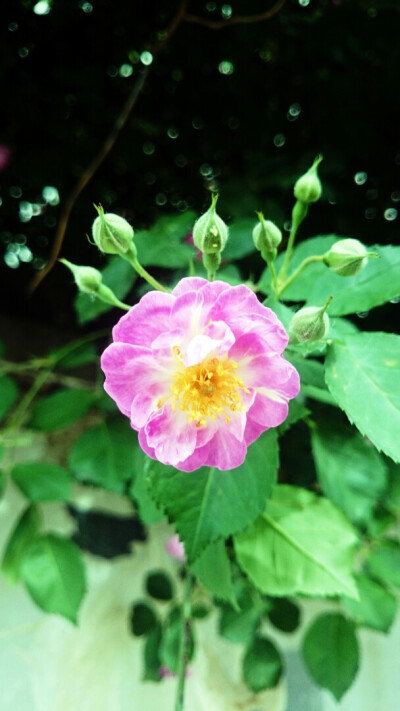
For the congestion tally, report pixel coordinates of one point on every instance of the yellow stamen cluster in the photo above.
(207, 389)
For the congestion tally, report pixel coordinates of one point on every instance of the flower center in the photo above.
(207, 389)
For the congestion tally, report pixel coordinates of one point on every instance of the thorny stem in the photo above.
(184, 643)
(180, 17)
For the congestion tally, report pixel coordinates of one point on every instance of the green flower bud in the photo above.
(87, 279)
(112, 234)
(309, 324)
(347, 257)
(267, 237)
(308, 188)
(210, 233)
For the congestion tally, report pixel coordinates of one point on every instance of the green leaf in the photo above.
(164, 244)
(376, 607)
(297, 412)
(262, 665)
(143, 619)
(25, 531)
(210, 503)
(239, 625)
(376, 284)
(8, 394)
(170, 642)
(2, 482)
(104, 455)
(383, 562)
(363, 375)
(60, 409)
(41, 481)
(53, 572)
(351, 472)
(240, 241)
(159, 586)
(213, 569)
(284, 615)
(301, 544)
(152, 661)
(119, 276)
(83, 355)
(312, 383)
(140, 491)
(330, 651)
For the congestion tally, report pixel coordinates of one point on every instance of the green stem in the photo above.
(184, 643)
(143, 273)
(297, 272)
(299, 213)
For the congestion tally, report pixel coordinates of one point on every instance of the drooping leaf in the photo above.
(42, 481)
(212, 504)
(151, 654)
(26, 530)
(54, 574)
(8, 394)
(301, 544)
(140, 490)
(363, 375)
(159, 585)
(119, 276)
(213, 569)
(83, 355)
(163, 245)
(104, 455)
(330, 651)
(170, 642)
(284, 614)
(239, 625)
(312, 382)
(262, 665)
(143, 619)
(60, 409)
(376, 607)
(351, 472)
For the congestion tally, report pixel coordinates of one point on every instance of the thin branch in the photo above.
(235, 19)
(104, 151)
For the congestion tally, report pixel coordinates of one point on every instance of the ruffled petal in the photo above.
(171, 436)
(217, 339)
(225, 451)
(145, 321)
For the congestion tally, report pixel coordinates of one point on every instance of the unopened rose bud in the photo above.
(210, 232)
(266, 237)
(87, 279)
(309, 324)
(112, 234)
(347, 257)
(308, 187)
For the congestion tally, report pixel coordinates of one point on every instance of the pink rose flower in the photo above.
(199, 372)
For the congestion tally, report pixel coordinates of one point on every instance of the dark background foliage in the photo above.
(242, 111)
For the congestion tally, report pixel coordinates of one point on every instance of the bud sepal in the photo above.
(309, 324)
(90, 281)
(210, 233)
(112, 233)
(308, 187)
(267, 238)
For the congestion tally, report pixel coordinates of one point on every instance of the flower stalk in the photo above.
(184, 643)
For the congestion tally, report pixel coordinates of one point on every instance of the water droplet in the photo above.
(6, 237)
(211, 6)
(125, 70)
(181, 160)
(20, 239)
(295, 109)
(226, 68)
(50, 221)
(371, 194)
(25, 254)
(51, 195)
(112, 71)
(15, 191)
(134, 56)
(86, 7)
(25, 211)
(304, 3)
(362, 314)
(390, 214)
(39, 263)
(396, 300)
(395, 196)
(370, 213)
(148, 148)
(23, 52)
(372, 12)
(279, 140)
(150, 178)
(265, 55)
(226, 12)
(206, 170)
(172, 132)
(1, 201)
(287, 226)
(146, 58)
(198, 123)
(43, 7)
(360, 178)
(161, 199)
(11, 260)
(13, 26)
(36, 209)
(233, 123)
